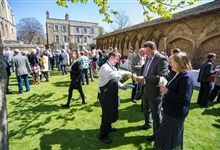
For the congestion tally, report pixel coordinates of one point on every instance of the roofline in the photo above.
(209, 7)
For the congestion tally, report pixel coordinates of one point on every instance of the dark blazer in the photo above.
(177, 100)
(158, 67)
(136, 61)
(76, 74)
(206, 70)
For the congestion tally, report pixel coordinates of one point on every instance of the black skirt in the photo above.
(170, 134)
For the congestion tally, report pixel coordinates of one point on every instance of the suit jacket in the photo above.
(76, 74)
(158, 67)
(136, 62)
(206, 70)
(9, 54)
(177, 100)
(21, 64)
(63, 58)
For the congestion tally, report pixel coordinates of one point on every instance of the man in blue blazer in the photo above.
(156, 65)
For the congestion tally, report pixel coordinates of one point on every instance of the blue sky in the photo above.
(80, 12)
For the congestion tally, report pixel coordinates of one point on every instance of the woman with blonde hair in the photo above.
(178, 92)
(94, 60)
(44, 65)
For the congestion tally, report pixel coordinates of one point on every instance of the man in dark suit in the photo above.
(156, 65)
(136, 67)
(8, 72)
(22, 68)
(204, 77)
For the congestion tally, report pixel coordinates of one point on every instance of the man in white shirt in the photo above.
(108, 95)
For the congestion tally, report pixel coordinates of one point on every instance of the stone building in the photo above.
(7, 23)
(8, 30)
(195, 31)
(65, 33)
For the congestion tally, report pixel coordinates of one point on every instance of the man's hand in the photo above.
(138, 79)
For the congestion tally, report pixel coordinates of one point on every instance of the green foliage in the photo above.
(163, 8)
(36, 121)
(101, 30)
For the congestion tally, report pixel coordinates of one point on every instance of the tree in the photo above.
(121, 21)
(163, 8)
(101, 30)
(30, 30)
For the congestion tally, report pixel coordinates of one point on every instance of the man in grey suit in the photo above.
(156, 65)
(8, 55)
(136, 67)
(22, 68)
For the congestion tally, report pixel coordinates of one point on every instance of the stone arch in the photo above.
(1, 28)
(211, 45)
(136, 44)
(212, 29)
(109, 43)
(184, 45)
(182, 30)
(6, 30)
(115, 42)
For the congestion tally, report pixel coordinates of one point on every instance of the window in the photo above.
(92, 40)
(84, 29)
(77, 29)
(64, 38)
(92, 30)
(64, 28)
(56, 38)
(56, 27)
(77, 39)
(85, 39)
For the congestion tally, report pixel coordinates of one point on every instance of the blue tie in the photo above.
(146, 68)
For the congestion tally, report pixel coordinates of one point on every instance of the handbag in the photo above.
(42, 67)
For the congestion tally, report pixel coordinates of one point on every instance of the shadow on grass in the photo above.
(66, 139)
(62, 84)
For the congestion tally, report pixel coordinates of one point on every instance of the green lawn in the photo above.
(37, 122)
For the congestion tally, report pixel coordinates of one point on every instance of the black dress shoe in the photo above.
(134, 101)
(106, 140)
(82, 104)
(65, 105)
(9, 93)
(207, 106)
(113, 130)
(150, 138)
(144, 127)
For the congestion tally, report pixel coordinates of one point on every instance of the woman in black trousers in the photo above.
(75, 70)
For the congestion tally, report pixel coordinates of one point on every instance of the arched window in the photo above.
(6, 30)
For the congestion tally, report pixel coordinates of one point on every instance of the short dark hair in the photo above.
(150, 44)
(210, 55)
(113, 53)
(175, 50)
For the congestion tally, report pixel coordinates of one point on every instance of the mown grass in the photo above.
(37, 122)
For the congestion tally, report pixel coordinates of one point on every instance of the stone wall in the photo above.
(70, 33)
(195, 31)
(7, 24)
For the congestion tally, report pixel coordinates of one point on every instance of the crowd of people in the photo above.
(164, 84)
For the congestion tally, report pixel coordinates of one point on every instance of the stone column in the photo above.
(3, 110)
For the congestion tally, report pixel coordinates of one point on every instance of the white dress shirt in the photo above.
(108, 72)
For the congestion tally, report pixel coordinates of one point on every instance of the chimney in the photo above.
(66, 17)
(47, 14)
